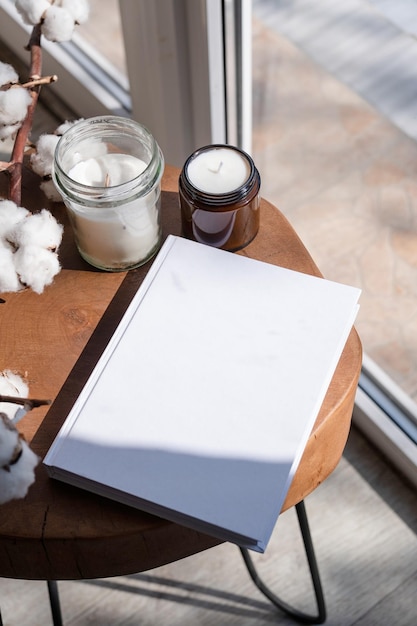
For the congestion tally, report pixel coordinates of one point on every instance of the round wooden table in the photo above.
(59, 532)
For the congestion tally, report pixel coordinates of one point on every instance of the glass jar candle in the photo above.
(108, 171)
(219, 197)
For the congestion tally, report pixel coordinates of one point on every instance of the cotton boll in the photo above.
(16, 482)
(9, 439)
(42, 159)
(9, 280)
(32, 11)
(35, 236)
(58, 24)
(8, 131)
(50, 191)
(79, 9)
(17, 463)
(38, 229)
(7, 74)
(11, 384)
(66, 125)
(36, 266)
(10, 216)
(14, 103)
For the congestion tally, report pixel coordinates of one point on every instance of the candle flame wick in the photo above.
(107, 180)
(216, 170)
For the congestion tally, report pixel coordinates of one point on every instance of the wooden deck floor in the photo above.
(363, 522)
(368, 45)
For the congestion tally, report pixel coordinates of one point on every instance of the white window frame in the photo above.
(84, 92)
(180, 86)
(388, 418)
(185, 81)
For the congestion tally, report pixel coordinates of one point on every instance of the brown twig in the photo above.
(42, 80)
(16, 167)
(28, 403)
(36, 81)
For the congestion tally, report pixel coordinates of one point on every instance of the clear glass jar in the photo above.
(219, 197)
(108, 171)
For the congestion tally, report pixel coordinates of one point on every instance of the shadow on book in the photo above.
(233, 499)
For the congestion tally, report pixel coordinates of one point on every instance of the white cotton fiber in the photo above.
(11, 384)
(10, 216)
(58, 24)
(32, 10)
(9, 280)
(66, 125)
(14, 103)
(9, 438)
(50, 191)
(16, 480)
(79, 9)
(7, 74)
(8, 131)
(38, 229)
(28, 244)
(42, 159)
(36, 267)
(17, 460)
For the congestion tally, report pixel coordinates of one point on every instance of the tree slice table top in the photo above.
(60, 532)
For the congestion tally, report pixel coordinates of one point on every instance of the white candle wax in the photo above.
(218, 171)
(114, 236)
(107, 170)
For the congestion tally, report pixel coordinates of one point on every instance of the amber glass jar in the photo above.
(219, 197)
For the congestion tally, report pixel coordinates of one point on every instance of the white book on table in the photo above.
(202, 403)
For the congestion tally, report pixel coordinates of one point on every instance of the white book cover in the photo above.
(202, 403)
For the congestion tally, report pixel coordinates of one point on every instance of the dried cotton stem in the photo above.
(28, 403)
(16, 167)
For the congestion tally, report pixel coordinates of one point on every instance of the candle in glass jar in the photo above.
(108, 171)
(120, 235)
(219, 170)
(219, 197)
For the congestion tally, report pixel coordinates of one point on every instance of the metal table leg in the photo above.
(298, 616)
(54, 602)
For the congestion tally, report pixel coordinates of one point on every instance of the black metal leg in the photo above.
(54, 602)
(298, 616)
(1, 621)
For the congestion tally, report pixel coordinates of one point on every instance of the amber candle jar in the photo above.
(219, 197)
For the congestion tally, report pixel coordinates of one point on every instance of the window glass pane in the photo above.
(335, 141)
(103, 32)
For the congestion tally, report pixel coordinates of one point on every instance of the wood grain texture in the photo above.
(59, 532)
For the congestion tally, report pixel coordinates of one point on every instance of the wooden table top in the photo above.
(60, 532)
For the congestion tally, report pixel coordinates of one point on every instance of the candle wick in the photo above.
(107, 180)
(214, 170)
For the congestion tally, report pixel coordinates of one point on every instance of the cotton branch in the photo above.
(16, 167)
(38, 82)
(27, 403)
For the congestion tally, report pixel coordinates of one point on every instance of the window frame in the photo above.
(87, 88)
(199, 86)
